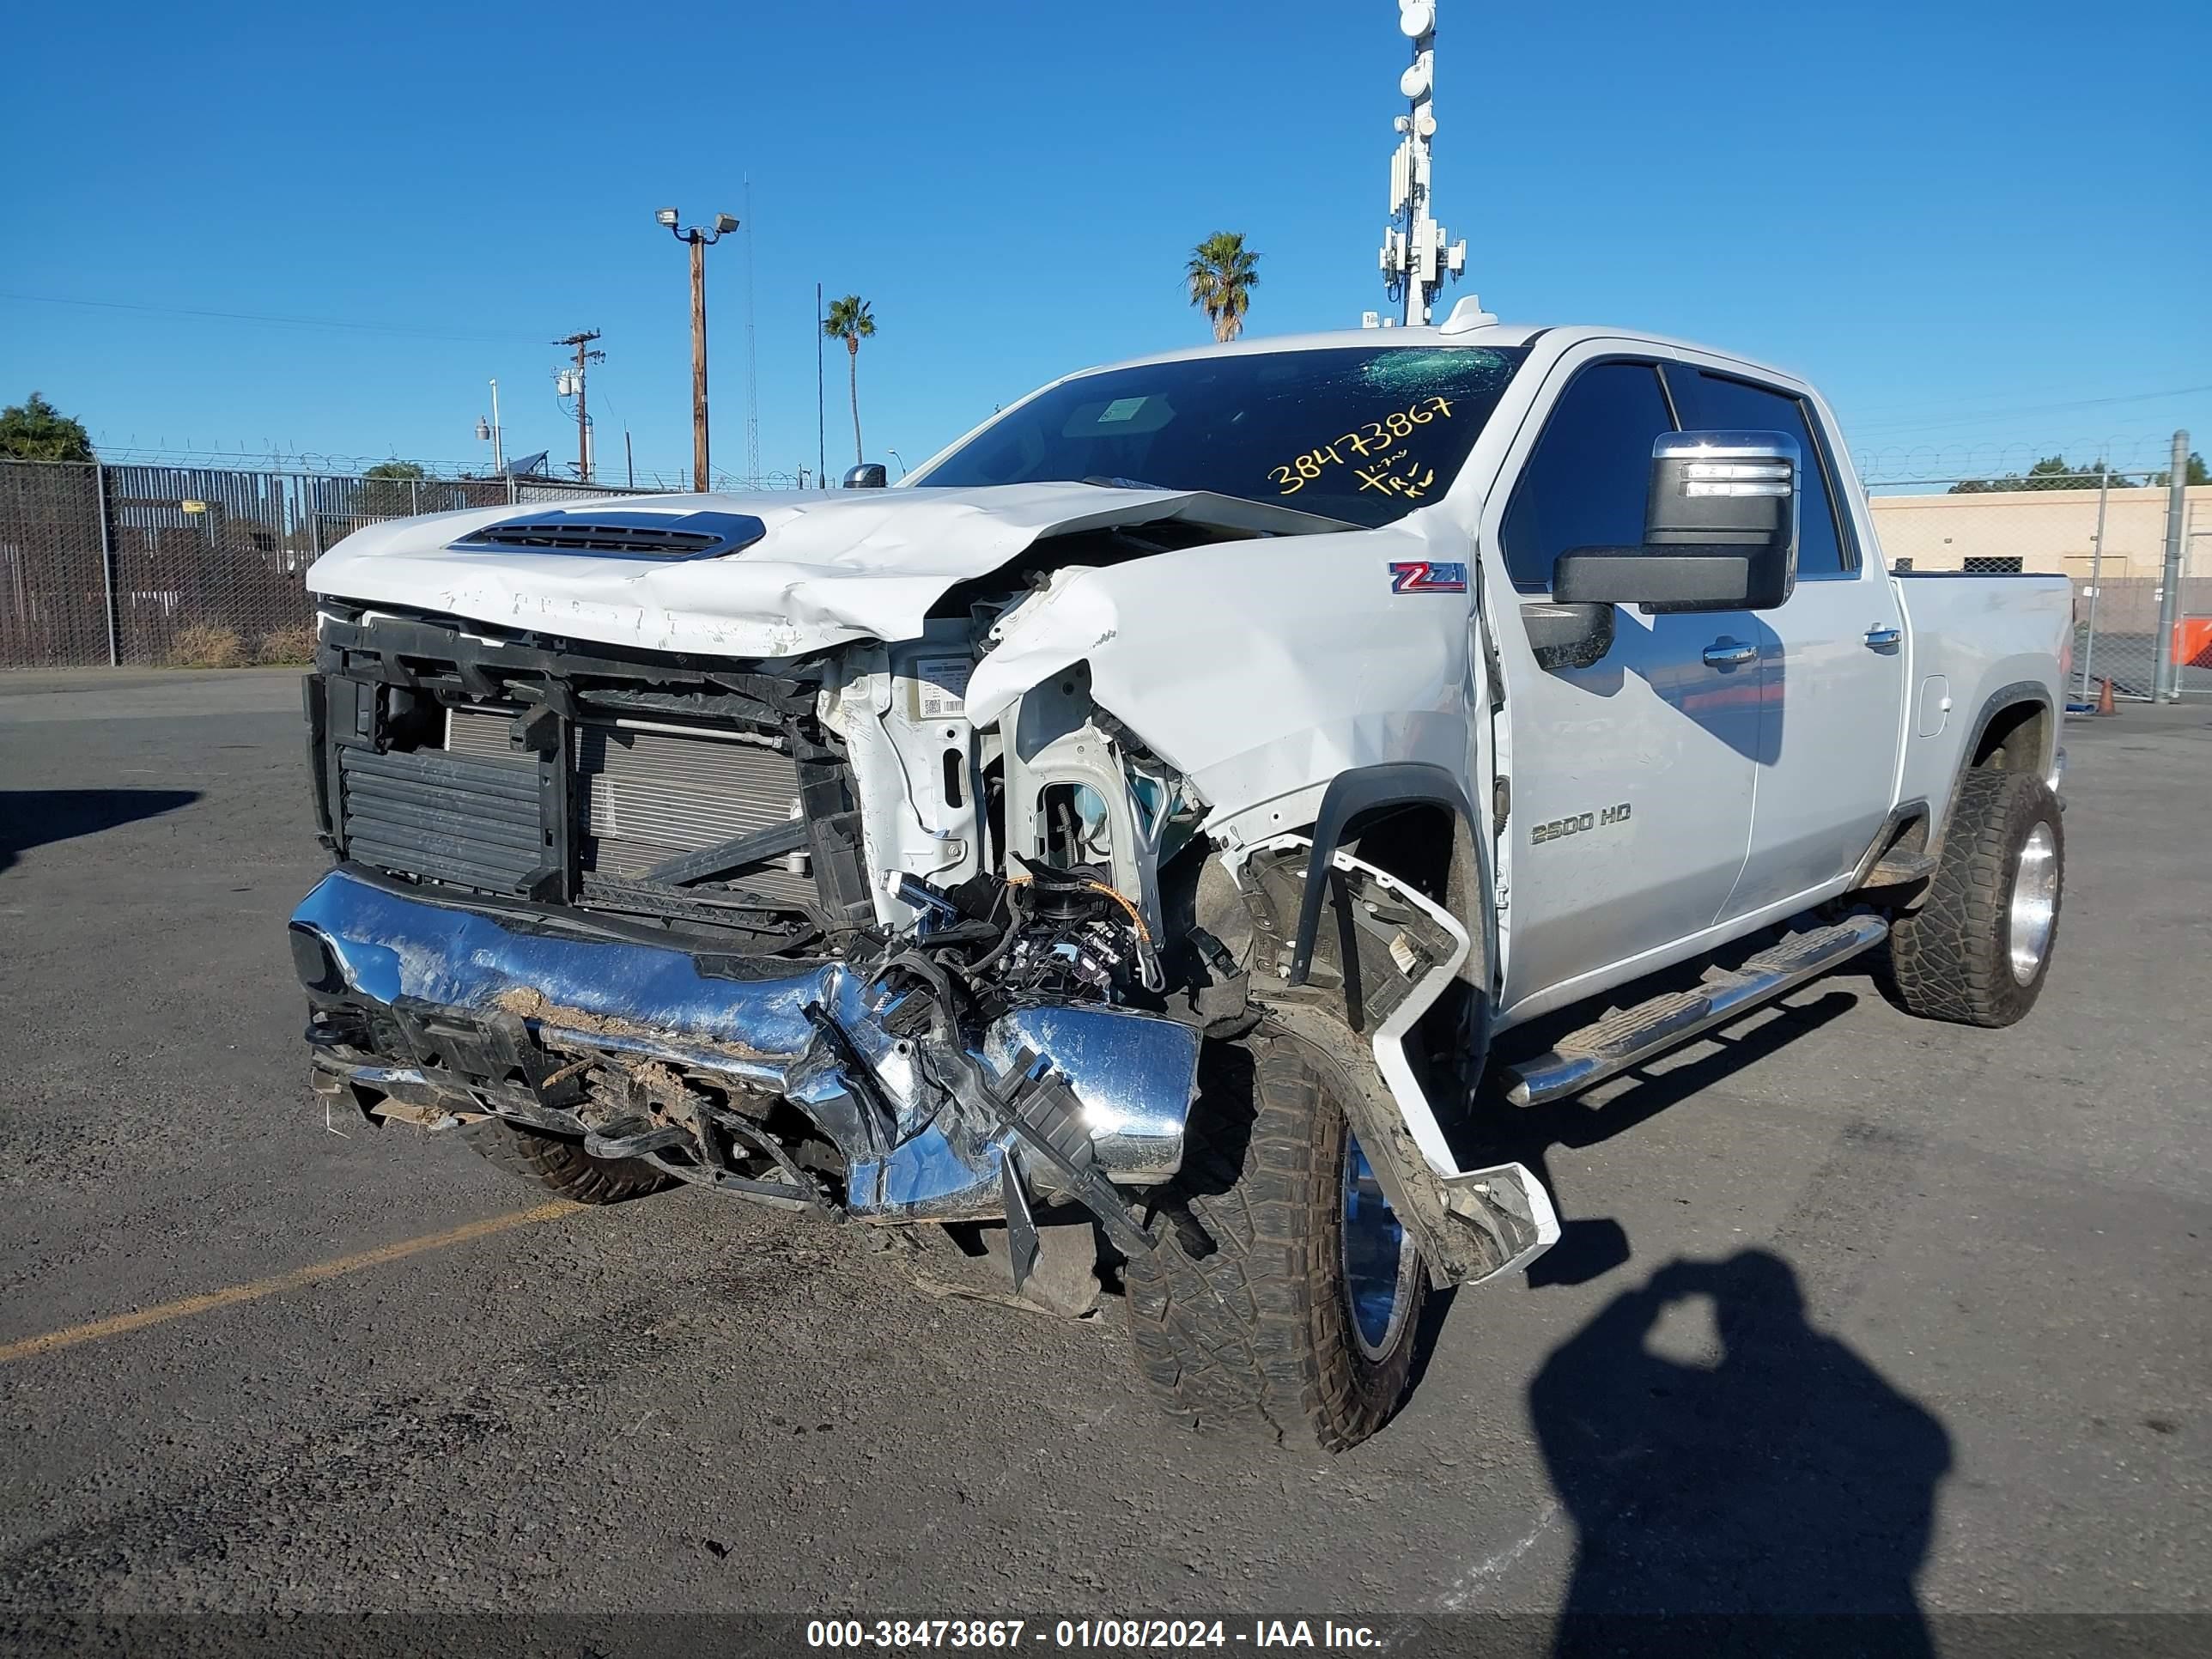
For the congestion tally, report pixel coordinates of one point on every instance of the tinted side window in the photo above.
(1585, 482)
(1712, 402)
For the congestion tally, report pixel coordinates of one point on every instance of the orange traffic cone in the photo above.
(2105, 697)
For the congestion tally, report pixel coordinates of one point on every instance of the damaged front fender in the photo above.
(1395, 952)
(1258, 669)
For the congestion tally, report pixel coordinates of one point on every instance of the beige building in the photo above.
(2048, 531)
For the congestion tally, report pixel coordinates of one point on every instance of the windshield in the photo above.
(1365, 433)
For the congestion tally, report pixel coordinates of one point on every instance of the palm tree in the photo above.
(849, 321)
(1223, 274)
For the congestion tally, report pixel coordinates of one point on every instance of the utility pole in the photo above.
(1417, 258)
(700, 241)
(752, 355)
(821, 446)
(2169, 603)
(498, 446)
(585, 358)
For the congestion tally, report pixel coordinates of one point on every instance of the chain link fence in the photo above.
(192, 567)
(2106, 531)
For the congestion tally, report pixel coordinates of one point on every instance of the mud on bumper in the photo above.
(789, 1083)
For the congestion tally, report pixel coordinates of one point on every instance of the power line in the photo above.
(257, 316)
(1952, 402)
(2019, 408)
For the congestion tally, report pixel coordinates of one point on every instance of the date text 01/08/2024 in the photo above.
(1088, 1634)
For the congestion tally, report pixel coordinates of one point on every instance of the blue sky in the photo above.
(1971, 224)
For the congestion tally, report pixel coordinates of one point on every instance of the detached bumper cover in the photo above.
(469, 989)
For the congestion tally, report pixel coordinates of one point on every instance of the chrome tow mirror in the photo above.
(1720, 530)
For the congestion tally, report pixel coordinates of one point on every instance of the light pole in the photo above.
(900, 458)
(701, 240)
(488, 431)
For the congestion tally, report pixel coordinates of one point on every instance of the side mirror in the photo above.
(1720, 530)
(869, 475)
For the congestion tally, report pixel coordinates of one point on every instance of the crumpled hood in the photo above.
(831, 568)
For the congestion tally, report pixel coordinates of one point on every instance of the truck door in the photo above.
(1832, 664)
(1633, 776)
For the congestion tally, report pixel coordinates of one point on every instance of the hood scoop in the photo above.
(662, 537)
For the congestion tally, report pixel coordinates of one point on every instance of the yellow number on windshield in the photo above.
(1375, 438)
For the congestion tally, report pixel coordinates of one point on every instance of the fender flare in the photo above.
(1361, 790)
(1996, 703)
(2004, 697)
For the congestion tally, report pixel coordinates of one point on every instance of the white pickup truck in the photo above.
(1133, 837)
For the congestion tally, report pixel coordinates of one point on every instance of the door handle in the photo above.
(1882, 639)
(1726, 653)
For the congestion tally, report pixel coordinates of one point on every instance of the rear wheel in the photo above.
(562, 1166)
(1977, 949)
(1284, 1296)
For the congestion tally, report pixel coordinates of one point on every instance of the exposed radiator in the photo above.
(649, 795)
(644, 793)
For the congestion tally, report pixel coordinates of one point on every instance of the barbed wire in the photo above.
(283, 460)
(1902, 463)
(328, 464)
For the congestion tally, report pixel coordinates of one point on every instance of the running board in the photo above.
(1629, 1036)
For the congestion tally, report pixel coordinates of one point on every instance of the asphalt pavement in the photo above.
(1856, 1313)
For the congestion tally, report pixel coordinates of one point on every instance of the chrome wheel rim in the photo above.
(2034, 908)
(1379, 1262)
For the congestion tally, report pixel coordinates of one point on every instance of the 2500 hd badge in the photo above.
(1577, 824)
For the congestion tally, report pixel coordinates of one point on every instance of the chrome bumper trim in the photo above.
(1134, 1075)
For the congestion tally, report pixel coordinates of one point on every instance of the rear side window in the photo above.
(1713, 402)
(1585, 483)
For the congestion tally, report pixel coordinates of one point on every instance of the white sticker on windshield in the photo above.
(1121, 408)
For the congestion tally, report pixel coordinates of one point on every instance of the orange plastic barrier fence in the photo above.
(2193, 641)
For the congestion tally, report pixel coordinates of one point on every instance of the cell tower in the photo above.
(1417, 258)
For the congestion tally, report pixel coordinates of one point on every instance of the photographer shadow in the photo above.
(1779, 1499)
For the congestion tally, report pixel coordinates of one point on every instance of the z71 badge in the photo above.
(1422, 576)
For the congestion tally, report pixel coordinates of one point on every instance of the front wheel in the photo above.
(1284, 1295)
(1977, 949)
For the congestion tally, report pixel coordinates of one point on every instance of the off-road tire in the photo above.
(562, 1165)
(1238, 1317)
(1950, 959)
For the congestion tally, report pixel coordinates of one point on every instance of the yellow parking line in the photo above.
(293, 1280)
